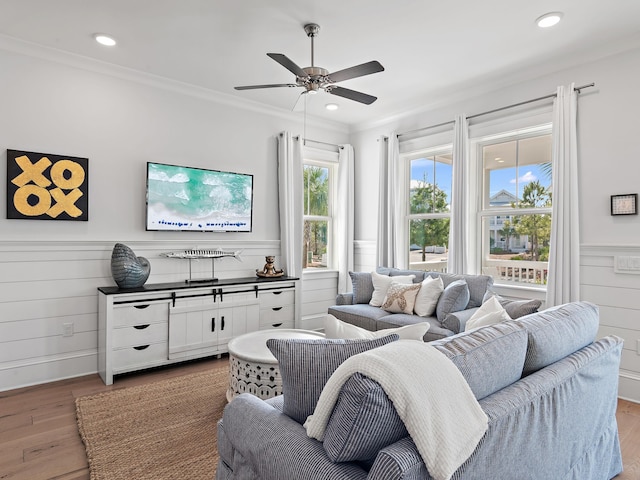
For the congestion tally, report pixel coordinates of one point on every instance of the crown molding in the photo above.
(30, 49)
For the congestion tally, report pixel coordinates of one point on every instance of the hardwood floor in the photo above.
(39, 437)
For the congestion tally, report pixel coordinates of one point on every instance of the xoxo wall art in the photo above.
(42, 186)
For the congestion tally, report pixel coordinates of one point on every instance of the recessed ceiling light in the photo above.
(103, 39)
(331, 106)
(549, 19)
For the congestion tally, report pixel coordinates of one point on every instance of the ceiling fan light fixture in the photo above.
(549, 19)
(104, 39)
(331, 106)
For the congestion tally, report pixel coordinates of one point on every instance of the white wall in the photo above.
(119, 119)
(609, 164)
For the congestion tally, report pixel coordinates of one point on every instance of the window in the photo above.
(318, 177)
(516, 206)
(429, 209)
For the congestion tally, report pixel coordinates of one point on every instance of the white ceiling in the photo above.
(430, 49)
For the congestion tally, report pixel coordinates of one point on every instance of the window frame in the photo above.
(484, 211)
(329, 160)
(407, 158)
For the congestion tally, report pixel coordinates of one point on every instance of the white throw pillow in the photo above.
(400, 298)
(381, 285)
(334, 328)
(489, 313)
(427, 298)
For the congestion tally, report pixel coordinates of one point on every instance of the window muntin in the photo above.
(429, 209)
(516, 214)
(317, 214)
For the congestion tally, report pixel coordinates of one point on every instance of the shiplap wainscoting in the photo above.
(319, 290)
(618, 296)
(364, 256)
(45, 285)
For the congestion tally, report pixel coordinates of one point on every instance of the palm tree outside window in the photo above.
(317, 211)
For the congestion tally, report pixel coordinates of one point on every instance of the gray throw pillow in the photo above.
(363, 422)
(454, 298)
(515, 308)
(306, 365)
(362, 286)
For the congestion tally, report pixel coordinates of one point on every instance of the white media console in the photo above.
(160, 324)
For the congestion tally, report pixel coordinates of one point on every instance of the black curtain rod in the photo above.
(451, 122)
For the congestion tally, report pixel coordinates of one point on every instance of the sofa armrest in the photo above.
(398, 461)
(344, 299)
(457, 321)
(268, 440)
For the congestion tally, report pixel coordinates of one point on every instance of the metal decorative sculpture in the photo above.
(128, 270)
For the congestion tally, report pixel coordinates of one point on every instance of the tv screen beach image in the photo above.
(185, 198)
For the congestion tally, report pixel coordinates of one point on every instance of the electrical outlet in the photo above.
(67, 329)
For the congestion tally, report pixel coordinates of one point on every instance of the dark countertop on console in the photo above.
(223, 282)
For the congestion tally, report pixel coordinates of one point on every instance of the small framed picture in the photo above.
(624, 204)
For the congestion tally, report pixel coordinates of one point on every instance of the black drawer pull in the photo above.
(276, 293)
(276, 325)
(141, 327)
(275, 309)
(213, 324)
(222, 323)
(140, 307)
(141, 347)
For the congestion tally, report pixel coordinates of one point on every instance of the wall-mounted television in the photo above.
(197, 199)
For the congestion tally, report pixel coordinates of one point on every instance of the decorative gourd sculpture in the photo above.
(128, 270)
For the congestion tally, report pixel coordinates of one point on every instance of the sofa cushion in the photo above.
(306, 365)
(557, 332)
(435, 332)
(488, 313)
(454, 298)
(490, 358)
(428, 295)
(334, 328)
(418, 275)
(381, 284)
(515, 308)
(362, 286)
(363, 422)
(400, 298)
(478, 285)
(364, 316)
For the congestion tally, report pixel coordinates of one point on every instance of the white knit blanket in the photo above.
(430, 395)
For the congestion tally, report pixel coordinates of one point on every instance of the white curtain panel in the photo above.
(344, 215)
(564, 253)
(392, 242)
(290, 202)
(460, 249)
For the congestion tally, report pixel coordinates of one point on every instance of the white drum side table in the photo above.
(252, 367)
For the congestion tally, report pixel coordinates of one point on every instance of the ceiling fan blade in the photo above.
(357, 71)
(352, 95)
(287, 63)
(272, 85)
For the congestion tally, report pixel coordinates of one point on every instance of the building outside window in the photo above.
(319, 191)
(429, 209)
(515, 214)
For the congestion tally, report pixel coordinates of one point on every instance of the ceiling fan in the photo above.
(315, 78)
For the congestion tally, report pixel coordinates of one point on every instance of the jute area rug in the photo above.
(162, 430)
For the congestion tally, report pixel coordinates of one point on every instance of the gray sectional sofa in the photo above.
(447, 320)
(548, 389)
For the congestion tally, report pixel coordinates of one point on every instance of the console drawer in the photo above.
(277, 325)
(139, 356)
(139, 334)
(140, 314)
(276, 298)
